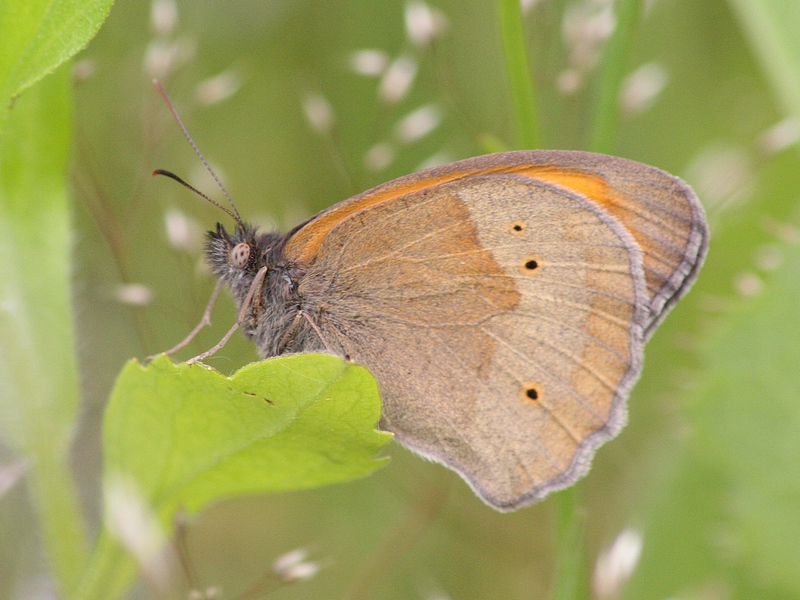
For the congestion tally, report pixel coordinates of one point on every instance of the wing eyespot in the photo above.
(518, 228)
(530, 264)
(531, 392)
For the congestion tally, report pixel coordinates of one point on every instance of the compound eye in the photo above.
(240, 254)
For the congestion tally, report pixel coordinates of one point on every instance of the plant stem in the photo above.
(109, 573)
(56, 502)
(605, 122)
(512, 32)
(570, 579)
(399, 540)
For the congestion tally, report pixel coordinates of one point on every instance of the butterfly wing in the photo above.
(660, 211)
(503, 315)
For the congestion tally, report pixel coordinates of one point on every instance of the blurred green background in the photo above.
(707, 470)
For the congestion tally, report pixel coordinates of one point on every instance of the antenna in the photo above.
(172, 175)
(235, 214)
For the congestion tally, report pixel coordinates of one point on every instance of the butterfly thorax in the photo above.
(273, 317)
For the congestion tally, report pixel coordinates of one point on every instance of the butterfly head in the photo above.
(240, 254)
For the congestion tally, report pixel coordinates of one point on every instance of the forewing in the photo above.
(659, 211)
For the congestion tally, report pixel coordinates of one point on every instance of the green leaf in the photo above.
(36, 36)
(183, 436)
(186, 435)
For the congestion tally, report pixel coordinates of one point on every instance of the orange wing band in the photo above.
(304, 244)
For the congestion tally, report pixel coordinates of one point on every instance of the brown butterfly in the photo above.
(502, 302)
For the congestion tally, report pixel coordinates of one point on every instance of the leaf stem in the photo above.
(512, 32)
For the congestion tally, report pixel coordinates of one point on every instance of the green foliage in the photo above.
(613, 69)
(185, 435)
(179, 437)
(39, 397)
(741, 455)
(39, 391)
(706, 468)
(512, 33)
(771, 28)
(38, 35)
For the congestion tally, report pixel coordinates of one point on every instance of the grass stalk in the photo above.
(512, 33)
(613, 68)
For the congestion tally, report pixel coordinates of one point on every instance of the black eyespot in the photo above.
(517, 227)
(530, 392)
(531, 265)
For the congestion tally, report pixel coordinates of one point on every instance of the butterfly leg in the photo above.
(294, 328)
(206, 320)
(316, 328)
(290, 333)
(248, 301)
